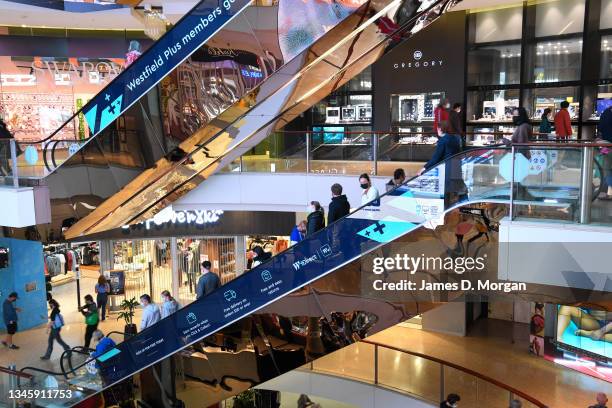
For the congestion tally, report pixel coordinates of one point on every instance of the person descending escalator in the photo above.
(399, 177)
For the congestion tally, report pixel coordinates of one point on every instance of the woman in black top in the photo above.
(316, 218)
(56, 322)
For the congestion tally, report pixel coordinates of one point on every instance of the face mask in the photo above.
(447, 106)
(312, 209)
(515, 120)
(308, 209)
(364, 186)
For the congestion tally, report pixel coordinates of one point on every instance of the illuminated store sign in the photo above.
(418, 62)
(190, 217)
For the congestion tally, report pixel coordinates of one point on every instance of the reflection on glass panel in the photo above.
(551, 177)
(492, 106)
(606, 57)
(280, 152)
(498, 65)
(408, 373)
(361, 82)
(335, 151)
(354, 361)
(559, 17)
(557, 61)
(499, 25)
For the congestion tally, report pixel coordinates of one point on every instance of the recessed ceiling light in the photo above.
(23, 25)
(538, 53)
(558, 52)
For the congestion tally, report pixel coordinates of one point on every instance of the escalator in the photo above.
(203, 116)
(330, 289)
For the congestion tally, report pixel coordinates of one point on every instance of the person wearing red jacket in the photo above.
(563, 124)
(441, 114)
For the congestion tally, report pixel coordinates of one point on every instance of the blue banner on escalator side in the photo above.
(384, 220)
(186, 37)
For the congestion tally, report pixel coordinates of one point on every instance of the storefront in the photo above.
(166, 253)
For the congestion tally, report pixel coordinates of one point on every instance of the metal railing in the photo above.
(419, 375)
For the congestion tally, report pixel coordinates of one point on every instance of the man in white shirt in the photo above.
(150, 312)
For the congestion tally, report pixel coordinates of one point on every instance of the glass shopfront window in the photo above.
(147, 264)
(499, 25)
(414, 108)
(542, 98)
(604, 100)
(559, 17)
(557, 61)
(606, 57)
(492, 106)
(494, 65)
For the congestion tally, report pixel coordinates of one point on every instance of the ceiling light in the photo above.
(558, 43)
(518, 55)
(540, 46)
(538, 53)
(546, 53)
(558, 52)
(567, 51)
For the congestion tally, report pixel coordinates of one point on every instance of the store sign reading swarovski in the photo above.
(417, 62)
(197, 217)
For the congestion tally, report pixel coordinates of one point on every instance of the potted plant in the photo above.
(127, 314)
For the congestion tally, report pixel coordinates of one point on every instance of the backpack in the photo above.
(58, 322)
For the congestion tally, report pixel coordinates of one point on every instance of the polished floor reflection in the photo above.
(494, 347)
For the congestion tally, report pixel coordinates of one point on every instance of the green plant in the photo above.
(127, 313)
(245, 399)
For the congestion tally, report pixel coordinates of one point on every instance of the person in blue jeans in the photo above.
(56, 322)
(102, 290)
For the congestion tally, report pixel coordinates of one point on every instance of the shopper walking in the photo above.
(450, 401)
(316, 218)
(399, 177)
(546, 126)
(9, 314)
(208, 282)
(150, 312)
(370, 193)
(169, 304)
(602, 401)
(90, 311)
(523, 132)
(563, 124)
(102, 289)
(297, 233)
(339, 206)
(441, 113)
(56, 322)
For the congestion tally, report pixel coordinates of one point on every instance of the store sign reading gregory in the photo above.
(169, 217)
(419, 60)
(186, 37)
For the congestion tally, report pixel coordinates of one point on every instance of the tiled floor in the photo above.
(33, 343)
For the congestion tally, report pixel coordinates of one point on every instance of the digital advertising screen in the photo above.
(583, 341)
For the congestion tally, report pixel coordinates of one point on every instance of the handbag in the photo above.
(92, 319)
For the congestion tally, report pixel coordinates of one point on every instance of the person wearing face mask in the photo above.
(451, 401)
(370, 193)
(441, 113)
(316, 218)
(546, 126)
(169, 305)
(150, 312)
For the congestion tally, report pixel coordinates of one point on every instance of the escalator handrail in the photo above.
(188, 157)
(263, 265)
(458, 367)
(76, 349)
